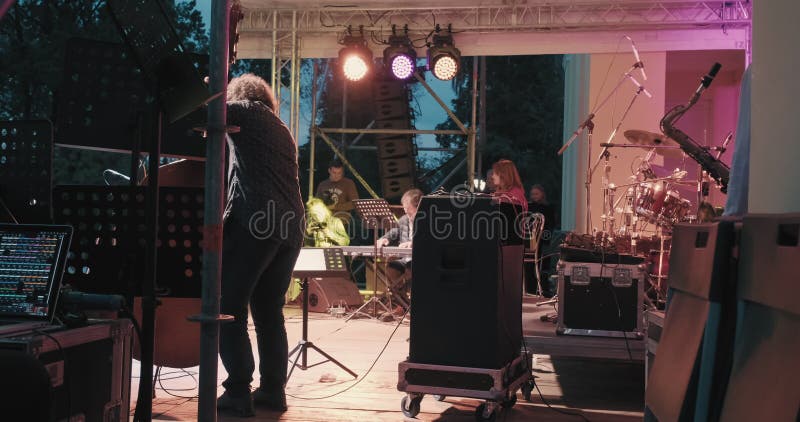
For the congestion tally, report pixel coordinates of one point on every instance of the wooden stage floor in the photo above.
(574, 375)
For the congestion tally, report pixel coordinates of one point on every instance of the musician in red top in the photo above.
(508, 184)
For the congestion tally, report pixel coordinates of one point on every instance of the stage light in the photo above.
(355, 58)
(400, 57)
(444, 59)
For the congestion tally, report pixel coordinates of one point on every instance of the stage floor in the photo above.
(574, 374)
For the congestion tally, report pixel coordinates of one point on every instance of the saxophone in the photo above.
(718, 170)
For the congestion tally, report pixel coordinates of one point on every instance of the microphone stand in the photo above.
(588, 125)
(8, 210)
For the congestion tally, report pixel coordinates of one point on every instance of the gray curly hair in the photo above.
(249, 87)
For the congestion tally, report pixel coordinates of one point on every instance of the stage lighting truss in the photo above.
(400, 58)
(444, 59)
(355, 58)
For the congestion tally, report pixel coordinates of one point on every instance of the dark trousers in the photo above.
(255, 272)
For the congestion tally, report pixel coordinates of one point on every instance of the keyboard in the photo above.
(369, 251)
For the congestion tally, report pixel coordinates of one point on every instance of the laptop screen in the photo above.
(32, 261)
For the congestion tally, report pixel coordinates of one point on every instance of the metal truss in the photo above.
(564, 16)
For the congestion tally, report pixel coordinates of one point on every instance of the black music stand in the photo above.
(110, 233)
(376, 215)
(26, 163)
(315, 262)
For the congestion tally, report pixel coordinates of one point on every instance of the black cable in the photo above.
(363, 377)
(621, 323)
(169, 390)
(66, 384)
(563, 412)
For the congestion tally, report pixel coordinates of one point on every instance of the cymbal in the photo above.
(647, 139)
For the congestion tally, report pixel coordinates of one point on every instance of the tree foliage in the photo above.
(524, 115)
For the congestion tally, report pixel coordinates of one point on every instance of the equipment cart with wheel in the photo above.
(497, 386)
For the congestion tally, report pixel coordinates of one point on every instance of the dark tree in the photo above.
(524, 116)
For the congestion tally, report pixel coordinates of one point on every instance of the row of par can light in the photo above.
(400, 58)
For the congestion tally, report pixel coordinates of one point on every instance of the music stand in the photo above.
(375, 214)
(315, 262)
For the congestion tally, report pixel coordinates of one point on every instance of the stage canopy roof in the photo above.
(496, 27)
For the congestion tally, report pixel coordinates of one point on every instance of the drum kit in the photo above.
(640, 221)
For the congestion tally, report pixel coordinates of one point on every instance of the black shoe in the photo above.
(241, 406)
(275, 401)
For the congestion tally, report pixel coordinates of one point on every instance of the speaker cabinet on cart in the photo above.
(467, 294)
(600, 299)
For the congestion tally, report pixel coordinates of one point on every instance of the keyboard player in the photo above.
(399, 270)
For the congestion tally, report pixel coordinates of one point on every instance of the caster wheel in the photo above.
(527, 389)
(480, 416)
(409, 406)
(439, 397)
(510, 401)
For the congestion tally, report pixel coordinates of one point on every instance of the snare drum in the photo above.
(675, 209)
(650, 200)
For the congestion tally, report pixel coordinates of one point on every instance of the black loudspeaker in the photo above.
(389, 90)
(326, 293)
(394, 147)
(394, 167)
(395, 187)
(467, 296)
(389, 110)
(390, 124)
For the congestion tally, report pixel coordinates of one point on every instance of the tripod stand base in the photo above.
(302, 350)
(375, 301)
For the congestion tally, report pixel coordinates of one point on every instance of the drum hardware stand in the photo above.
(605, 154)
(588, 125)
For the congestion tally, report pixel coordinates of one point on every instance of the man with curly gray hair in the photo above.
(262, 236)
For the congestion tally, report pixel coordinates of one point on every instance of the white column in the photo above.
(775, 147)
(576, 109)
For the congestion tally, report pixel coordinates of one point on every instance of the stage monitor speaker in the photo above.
(395, 187)
(390, 90)
(326, 293)
(400, 146)
(765, 365)
(467, 295)
(394, 167)
(689, 376)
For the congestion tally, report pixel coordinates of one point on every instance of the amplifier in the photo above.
(326, 293)
(89, 369)
(600, 299)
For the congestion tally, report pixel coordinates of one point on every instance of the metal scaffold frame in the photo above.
(562, 16)
(288, 25)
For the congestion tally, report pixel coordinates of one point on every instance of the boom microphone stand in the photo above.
(589, 124)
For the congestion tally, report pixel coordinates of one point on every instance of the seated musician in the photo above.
(401, 236)
(322, 228)
(508, 185)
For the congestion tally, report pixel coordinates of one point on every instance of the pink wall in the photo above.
(710, 120)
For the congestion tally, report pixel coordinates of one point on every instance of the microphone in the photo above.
(705, 82)
(93, 301)
(639, 63)
(721, 150)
